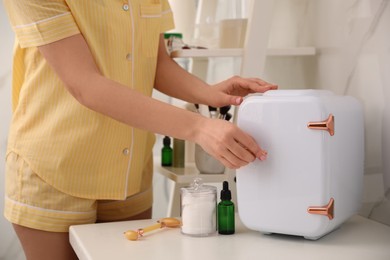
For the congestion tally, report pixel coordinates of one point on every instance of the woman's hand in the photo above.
(232, 91)
(229, 144)
(224, 140)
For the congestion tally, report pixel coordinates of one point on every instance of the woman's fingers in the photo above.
(252, 84)
(246, 151)
(231, 146)
(232, 90)
(238, 156)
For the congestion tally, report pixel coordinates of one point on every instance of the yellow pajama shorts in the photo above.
(31, 202)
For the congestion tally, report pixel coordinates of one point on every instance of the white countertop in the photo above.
(358, 238)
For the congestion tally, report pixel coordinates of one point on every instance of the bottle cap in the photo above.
(167, 141)
(225, 192)
(197, 188)
(173, 34)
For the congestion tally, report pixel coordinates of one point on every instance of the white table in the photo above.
(358, 239)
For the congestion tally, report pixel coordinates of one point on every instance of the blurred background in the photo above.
(346, 49)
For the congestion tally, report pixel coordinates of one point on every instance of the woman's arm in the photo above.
(73, 62)
(174, 81)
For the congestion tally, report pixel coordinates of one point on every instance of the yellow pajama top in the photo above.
(79, 151)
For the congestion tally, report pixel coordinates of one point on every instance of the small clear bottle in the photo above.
(174, 41)
(225, 212)
(166, 152)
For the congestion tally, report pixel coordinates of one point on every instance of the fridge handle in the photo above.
(327, 210)
(327, 125)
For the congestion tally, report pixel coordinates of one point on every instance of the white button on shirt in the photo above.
(125, 7)
(126, 151)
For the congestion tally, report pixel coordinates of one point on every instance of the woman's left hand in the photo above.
(232, 90)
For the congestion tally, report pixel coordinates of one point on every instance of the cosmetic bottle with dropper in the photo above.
(225, 212)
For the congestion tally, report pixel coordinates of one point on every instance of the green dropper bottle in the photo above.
(166, 152)
(226, 224)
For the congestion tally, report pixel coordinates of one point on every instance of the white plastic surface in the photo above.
(305, 167)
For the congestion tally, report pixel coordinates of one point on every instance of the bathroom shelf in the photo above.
(187, 174)
(213, 53)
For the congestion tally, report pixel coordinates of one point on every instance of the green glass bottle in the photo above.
(226, 222)
(166, 152)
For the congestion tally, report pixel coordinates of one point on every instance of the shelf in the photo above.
(187, 174)
(214, 53)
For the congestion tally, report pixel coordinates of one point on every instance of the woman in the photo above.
(80, 143)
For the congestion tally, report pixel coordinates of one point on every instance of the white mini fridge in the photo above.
(312, 180)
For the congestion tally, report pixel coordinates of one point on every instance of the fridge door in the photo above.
(274, 195)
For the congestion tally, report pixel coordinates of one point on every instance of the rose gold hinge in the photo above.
(327, 125)
(327, 210)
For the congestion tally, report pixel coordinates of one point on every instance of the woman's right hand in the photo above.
(230, 145)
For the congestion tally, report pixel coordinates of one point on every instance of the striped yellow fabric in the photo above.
(76, 150)
(31, 202)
